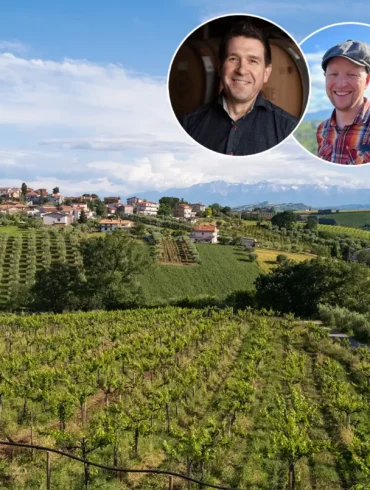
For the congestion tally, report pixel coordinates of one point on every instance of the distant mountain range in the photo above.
(319, 115)
(241, 194)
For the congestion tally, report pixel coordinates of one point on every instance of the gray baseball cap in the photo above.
(355, 51)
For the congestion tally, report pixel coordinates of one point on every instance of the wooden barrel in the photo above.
(287, 86)
(194, 79)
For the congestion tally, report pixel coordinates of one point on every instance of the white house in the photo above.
(13, 208)
(183, 211)
(10, 192)
(57, 219)
(147, 208)
(205, 233)
(107, 225)
(77, 212)
(125, 209)
(198, 207)
(131, 201)
(57, 199)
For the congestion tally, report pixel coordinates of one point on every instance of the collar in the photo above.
(362, 116)
(259, 102)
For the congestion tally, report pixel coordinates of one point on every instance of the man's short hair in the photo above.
(245, 29)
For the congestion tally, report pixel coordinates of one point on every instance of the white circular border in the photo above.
(337, 165)
(309, 85)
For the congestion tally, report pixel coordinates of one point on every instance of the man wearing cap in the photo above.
(241, 121)
(345, 137)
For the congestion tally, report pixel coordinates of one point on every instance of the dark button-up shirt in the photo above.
(262, 128)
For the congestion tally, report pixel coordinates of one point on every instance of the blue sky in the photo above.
(314, 47)
(83, 97)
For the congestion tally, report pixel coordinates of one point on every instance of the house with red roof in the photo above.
(206, 233)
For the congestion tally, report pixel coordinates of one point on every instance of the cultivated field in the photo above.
(241, 400)
(350, 219)
(222, 270)
(23, 252)
(267, 258)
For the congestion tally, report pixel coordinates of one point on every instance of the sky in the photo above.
(315, 47)
(84, 104)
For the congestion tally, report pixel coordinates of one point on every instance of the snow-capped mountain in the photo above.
(240, 194)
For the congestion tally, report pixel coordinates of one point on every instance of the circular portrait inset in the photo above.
(336, 126)
(238, 85)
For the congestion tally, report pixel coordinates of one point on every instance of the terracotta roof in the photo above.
(148, 202)
(184, 205)
(56, 212)
(114, 221)
(18, 206)
(205, 228)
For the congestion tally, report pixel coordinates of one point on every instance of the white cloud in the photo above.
(92, 128)
(13, 47)
(318, 99)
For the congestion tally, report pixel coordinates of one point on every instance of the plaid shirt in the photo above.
(347, 146)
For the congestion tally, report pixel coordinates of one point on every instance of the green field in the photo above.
(11, 230)
(223, 269)
(235, 400)
(350, 219)
(306, 135)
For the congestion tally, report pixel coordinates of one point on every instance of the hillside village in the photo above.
(110, 213)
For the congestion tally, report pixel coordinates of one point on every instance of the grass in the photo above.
(223, 269)
(306, 135)
(11, 230)
(350, 219)
(267, 258)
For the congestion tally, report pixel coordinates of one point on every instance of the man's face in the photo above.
(345, 83)
(244, 72)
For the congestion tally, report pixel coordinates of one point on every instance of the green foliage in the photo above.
(311, 223)
(164, 210)
(168, 203)
(282, 259)
(300, 287)
(363, 256)
(221, 271)
(139, 229)
(306, 135)
(56, 287)
(111, 267)
(24, 189)
(347, 321)
(101, 209)
(285, 219)
(83, 218)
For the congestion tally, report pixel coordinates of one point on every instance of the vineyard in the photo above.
(242, 400)
(23, 254)
(170, 250)
(343, 230)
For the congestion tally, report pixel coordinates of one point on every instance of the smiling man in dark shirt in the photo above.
(241, 121)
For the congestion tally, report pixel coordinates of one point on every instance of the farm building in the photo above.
(248, 242)
(183, 211)
(108, 225)
(147, 208)
(198, 207)
(205, 234)
(59, 219)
